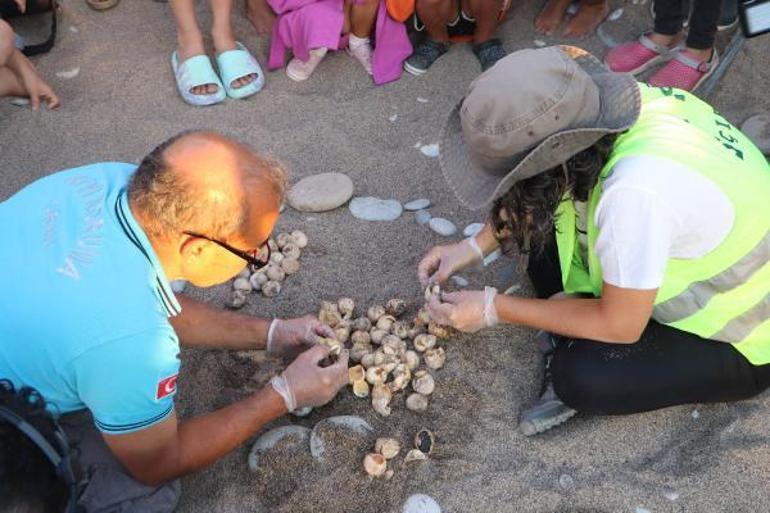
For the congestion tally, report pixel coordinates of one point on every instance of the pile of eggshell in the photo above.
(285, 251)
(376, 463)
(386, 352)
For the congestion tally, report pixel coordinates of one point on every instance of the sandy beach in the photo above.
(123, 101)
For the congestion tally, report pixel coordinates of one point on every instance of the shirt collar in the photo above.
(138, 238)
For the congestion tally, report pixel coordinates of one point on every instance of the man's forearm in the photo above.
(577, 318)
(196, 443)
(203, 325)
(205, 439)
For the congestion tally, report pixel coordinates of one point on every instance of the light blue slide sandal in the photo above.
(197, 71)
(238, 63)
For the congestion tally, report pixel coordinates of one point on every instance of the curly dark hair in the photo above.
(524, 216)
(28, 479)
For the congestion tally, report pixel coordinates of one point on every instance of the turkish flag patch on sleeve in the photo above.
(166, 387)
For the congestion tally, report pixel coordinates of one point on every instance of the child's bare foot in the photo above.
(261, 16)
(551, 16)
(190, 45)
(224, 41)
(587, 19)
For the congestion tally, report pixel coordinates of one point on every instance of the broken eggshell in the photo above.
(417, 402)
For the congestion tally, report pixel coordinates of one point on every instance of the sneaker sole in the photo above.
(529, 428)
(413, 71)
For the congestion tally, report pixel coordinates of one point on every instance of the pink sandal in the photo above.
(637, 56)
(684, 72)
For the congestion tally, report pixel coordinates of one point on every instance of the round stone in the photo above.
(459, 281)
(421, 503)
(319, 193)
(757, 128)
(422, 217)
(375, 209)
(178, 285)
(418, 204)
(442, 226)
(472, 229)
(430, 150)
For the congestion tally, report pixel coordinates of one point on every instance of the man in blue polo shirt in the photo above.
(89, 318)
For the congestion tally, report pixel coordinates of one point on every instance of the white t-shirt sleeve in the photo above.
(634, 242)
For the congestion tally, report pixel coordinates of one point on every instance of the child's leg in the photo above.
(222, 33)
(588, 18)
(361, 16)
(6, 42)
(551, 16)
(261, 16)
(703, 28)
(10, 85)
(485, 12)
(436, 15)
(20, 78)
(669, 20)
(189, 37)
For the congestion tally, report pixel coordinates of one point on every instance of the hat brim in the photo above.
(476, 187)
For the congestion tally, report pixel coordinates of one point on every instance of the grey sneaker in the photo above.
(424, 56)
(546, 413)
(489, 52)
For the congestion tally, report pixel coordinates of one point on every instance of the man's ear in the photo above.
(193, 250)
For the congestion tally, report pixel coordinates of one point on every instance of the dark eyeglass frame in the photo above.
(250, 257)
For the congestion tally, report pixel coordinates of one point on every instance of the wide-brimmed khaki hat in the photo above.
(531, 111)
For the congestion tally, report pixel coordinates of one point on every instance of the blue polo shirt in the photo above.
(85, 304)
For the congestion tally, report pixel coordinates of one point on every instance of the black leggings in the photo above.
(664, 368)
(670, 16)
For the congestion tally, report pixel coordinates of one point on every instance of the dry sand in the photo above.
(124, 101)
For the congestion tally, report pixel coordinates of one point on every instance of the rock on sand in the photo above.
(375, 209)
(319, 193)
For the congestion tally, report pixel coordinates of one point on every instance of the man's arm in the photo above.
(202, 325)
(172, 448)
(619, 316)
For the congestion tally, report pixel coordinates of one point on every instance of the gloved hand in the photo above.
(467, 311)
(443, 261)
(292, 336)
(305, 383)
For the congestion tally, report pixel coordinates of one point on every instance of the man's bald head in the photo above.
(206, 183)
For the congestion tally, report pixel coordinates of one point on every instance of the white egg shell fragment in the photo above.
(435, 358)
(388, 447)
(257, 280)
(346, 305)
(271, 288)
(417, 402)
(375, 312)
(242, 284)
(299, 238)
(423, 382)
(375, 464)
(291, 251)
(424, 341)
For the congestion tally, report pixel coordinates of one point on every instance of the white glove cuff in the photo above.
(281, 386)
(271, 334)
(475, 247)
(490, 312)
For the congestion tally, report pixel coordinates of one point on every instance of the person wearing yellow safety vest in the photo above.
(643, 218)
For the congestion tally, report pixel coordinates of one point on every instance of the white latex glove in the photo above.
(305, 383)
(467, 311)
(292, 336)
(441, 262)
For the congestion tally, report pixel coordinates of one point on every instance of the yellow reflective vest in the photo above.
(724, 295)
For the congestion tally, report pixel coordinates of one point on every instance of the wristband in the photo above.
(281, 387)
(475, 247)
(490, 312)
(270, 333)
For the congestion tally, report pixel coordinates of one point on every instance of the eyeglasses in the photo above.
(255, 258)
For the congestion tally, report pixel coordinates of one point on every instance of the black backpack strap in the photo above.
(45, 46)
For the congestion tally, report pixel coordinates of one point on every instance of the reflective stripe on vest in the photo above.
(725, 294)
